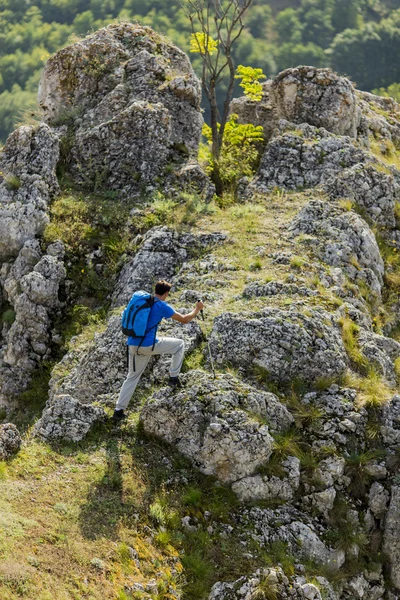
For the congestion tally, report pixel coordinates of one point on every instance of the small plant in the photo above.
(13, 182)
(356, 471)
(8, 316)
(350, 332)
(346, 204)
(157, 513)
(296, 262)
(267, 589)
(192, 497)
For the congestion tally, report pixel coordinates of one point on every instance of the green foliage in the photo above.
(239, 153)
(250, 83)
(203, 44)
(391, 91)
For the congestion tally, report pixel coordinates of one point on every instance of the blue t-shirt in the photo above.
(160, 310)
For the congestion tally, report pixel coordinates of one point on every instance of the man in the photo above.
(151, 345)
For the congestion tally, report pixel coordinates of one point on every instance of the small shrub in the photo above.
(12, 182)
(8, 316)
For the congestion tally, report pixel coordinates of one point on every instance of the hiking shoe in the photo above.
(119, 415)
(174, 382)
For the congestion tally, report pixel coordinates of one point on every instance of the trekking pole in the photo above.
(208, 344)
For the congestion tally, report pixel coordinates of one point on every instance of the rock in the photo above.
(32, 151)
(275, 583)
(341, 239)
(10, 441)
(318, 97)
(132, 104)
(373, 191)
(391, 537)
(260, 487)
(390, 428)
(275, 288)
(294, 528)
(305, 158)
(285, 344)
(212, 423)
(158, 257)
(67, 419)
(378, 499)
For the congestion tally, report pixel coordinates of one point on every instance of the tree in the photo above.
(216, 26)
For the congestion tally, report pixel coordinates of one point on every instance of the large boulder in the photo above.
(318, 97)
(67, 419)
(213, 422)
(132, 104)
(285, 344)
(27, 184)
(10, 441)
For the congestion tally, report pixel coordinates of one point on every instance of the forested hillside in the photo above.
(359, 38)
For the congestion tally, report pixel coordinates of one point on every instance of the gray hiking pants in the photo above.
(165, 345)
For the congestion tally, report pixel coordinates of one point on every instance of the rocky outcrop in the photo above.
(341, 239)
(318, 97)
(272, 583)
(67, 419)
(10, 441)
(132, 104)
(31, 285)
(221, 425)
(285, 344)
(27, 183)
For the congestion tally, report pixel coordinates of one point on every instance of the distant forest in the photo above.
(357, 38)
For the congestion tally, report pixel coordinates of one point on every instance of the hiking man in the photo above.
(141, 351)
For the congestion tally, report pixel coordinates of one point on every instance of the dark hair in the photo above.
(162, 287)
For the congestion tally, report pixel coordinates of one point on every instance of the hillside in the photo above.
(357, 38)
(277, 478)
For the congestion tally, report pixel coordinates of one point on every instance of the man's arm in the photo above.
(189, 317)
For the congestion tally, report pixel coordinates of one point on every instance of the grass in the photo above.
(350, 332)
(373, 391)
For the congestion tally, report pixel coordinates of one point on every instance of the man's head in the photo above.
(162, 288)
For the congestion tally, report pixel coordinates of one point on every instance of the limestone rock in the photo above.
(318, 97)
(274, 582)
(341, 239)
(391, 422)
(212, 423)
(374, 191)
(158, 257)
(378, 499)
(32, 151)
(285, 344)
(305, 158)
(132, 102)
(67, 419)
(263, 487)
(391, 545)
(10, 441)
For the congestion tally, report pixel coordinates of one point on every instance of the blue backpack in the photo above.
(136, 315)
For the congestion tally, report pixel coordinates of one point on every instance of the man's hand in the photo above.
(199, 306)
(187, 318)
